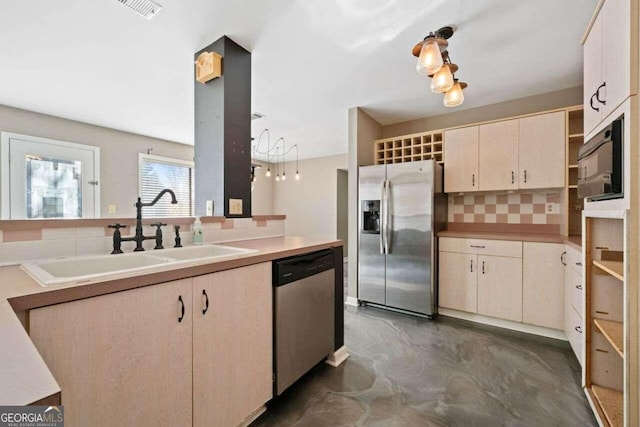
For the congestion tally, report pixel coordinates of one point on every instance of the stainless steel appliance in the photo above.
(304, 309)
(600, 167)
(401, 208)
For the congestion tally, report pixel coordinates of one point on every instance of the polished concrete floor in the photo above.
(405, 371)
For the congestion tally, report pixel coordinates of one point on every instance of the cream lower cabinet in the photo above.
(500, 287)
(136, 358)
(458, 281)
(543, 284)
(574, 301)
(232, 345)
(481, 276)
(122, 359)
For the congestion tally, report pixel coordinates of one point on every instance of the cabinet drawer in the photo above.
(576, 294)
(573, 259)
(574, 330)
(505, 248)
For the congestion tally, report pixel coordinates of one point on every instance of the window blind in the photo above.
(156, 174)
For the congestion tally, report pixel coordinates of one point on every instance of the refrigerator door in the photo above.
(371, 258)
(410, 200)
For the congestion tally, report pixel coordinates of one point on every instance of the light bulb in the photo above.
(268, 174)
(430, 59)
(284, 176)
(442, 80)
(454, 96)
(278, 177)
(297, 175)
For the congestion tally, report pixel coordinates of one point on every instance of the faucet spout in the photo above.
(160, 194)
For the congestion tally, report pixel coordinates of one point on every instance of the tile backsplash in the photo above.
(22, 245)
(512, 208)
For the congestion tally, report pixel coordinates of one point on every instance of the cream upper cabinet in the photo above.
(461, 154)
(500, 287)
(458, 278)
(543, 284)
(121, 359)
(608, 79)
(592, 76)
(232, 345)
(498, 155)
(541, 142)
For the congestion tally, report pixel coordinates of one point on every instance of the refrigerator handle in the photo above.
(382, 216)
(387, 216)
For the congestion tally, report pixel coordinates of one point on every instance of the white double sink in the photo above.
(63, 271)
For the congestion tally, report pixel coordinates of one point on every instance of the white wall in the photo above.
(118, 152)
(262, 192)
(311, 202)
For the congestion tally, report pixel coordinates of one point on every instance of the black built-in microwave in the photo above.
(600, 164)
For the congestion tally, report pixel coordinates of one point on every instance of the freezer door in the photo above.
(409, 260)
(371, 259)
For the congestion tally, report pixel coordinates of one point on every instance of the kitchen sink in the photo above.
(204, 251)
(83, 269)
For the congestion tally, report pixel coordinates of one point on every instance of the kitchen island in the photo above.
(28, 309)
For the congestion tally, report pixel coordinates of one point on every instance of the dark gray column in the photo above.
(223, 132)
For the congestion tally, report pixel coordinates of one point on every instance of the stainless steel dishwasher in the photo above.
(304, 308)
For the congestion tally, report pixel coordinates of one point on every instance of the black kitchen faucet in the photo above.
(140, 237)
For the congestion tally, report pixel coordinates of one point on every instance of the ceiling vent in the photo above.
(256, 116)
(146, 8)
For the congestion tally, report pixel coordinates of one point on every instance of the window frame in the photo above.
(142, 157)
(5, 169)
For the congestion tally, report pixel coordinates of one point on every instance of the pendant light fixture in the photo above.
(454, 96)
(277, 151)
(429, 51)
(434, 62)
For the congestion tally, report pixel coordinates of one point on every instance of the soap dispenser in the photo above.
(198, 235)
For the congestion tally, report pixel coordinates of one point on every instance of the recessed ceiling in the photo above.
(98, 62)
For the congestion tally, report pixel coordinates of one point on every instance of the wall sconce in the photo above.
(434, 62)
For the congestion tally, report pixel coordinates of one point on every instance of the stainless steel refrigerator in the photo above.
(402, 207)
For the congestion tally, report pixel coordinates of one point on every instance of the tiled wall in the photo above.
(513, 208)
(23, 245)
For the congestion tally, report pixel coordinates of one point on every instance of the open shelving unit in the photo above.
(410, 148)
(575, 138)
(607, 304)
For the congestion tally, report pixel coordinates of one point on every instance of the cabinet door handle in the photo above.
(472, 266)
(562, 258)
(477, 246)
(597, 94)
(181, 309)
(579, 264)
(591, 103)
(513, 177)
(578, 329)
(482, 267)
(206, 302)
(525, 175)
(579, 287)
(473, 180)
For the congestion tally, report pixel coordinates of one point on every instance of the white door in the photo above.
(458, 281)
(541, 142)
(461, 154)
(592, 53)
(500, 287)
(498, 154)
(543, 284)
(44, 178)
(616, 57)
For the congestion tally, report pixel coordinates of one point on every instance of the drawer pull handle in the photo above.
(562, 258)
(206, 302)
(477, 246)
(578, 329)
(579, 264)
(579, 287)
(181, 309)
